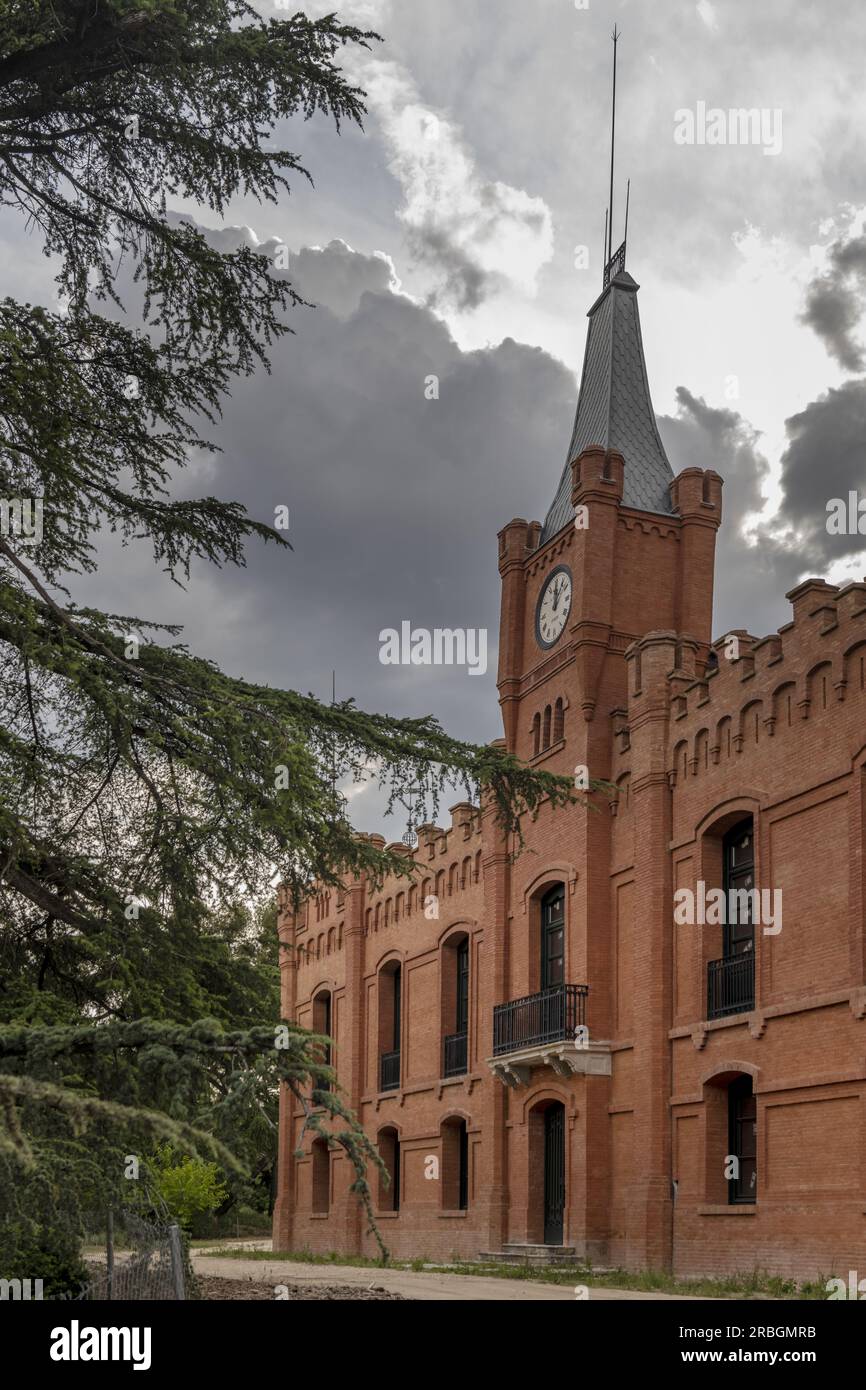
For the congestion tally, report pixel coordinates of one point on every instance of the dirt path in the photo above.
(427, 1287)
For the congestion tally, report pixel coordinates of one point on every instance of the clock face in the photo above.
(554, 606)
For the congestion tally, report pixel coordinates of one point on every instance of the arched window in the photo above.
(558, 721)
(389, 1152)
(453, 879)
(321, 1177)
(742, 1141)
(545, 740)
(478, 867)
(553, 938)
(455, 1165)
(738, 849)
(322, 1024)
(728, 862)
(455, 1005)
(536, 736)
(390, 1022)
(466, 873)
(731, 1121)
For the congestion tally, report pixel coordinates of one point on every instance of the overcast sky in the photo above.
(445, 240)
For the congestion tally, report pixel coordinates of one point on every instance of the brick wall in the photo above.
(689, 747)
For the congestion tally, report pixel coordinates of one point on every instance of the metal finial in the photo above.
(615, 36)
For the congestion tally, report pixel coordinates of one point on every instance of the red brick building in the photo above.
(545, 1052)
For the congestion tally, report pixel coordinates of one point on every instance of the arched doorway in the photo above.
(554, 1173)
(546, 1192)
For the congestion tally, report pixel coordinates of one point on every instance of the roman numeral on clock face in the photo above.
(554, 607)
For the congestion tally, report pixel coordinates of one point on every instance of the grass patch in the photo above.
(755, 1284)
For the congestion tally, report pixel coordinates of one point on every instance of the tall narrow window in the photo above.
(739, 858)
(389, 1152)
(398, 1004)
(463, 1175)
(389, 1026)
(553, 938)
(536, 736)
(545, 741)
(558, 721)
(462, 1018)
(743, 1141)
(321, 1177)
(455, 1165)
(455, 1006)
(322, 1024)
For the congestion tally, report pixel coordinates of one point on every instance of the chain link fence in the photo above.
(146, 1260)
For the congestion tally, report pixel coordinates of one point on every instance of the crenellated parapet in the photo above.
(767, 687)
(445, 862)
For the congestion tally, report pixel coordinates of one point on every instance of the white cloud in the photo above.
(477, 234)
(474, 235)
(707, 13)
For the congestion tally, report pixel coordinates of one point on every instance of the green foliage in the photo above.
(187, 1185)
(46, 1252)
(144, 794)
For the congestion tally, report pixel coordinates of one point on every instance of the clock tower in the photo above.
(624, 557)
(625, 548)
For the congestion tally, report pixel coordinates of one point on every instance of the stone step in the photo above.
(517, 1247)
(555, 1255)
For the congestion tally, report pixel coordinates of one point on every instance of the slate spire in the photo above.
(614, 408)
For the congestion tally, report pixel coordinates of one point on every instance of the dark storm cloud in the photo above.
(825, 459)
(461, 282)
(339, 278)
(395, 499)
(835, 303)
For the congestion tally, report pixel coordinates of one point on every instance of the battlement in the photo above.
(761, 685)
(446, 861)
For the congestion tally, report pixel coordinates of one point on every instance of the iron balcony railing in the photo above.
(553, 1014)
(389, 1071)
(731, 985)
(454, 1063)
